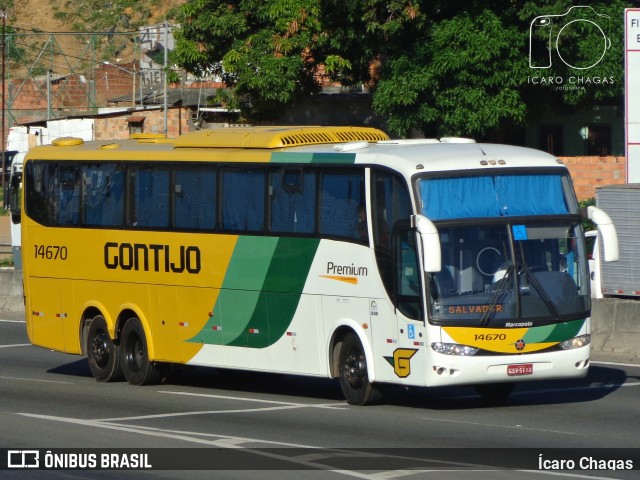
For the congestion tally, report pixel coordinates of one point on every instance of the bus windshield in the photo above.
(508, 258)
(493, 275)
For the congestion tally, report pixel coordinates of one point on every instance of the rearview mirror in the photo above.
(431, 253)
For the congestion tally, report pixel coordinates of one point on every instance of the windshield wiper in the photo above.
(499, 291)
(537, 286)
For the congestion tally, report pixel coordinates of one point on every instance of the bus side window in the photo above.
(103, 194)
(38, 191)
(194, 201)
(340, 196)
(407, 274)
(243, 199)
(292, 200)
(149, 197)
(66, 204)
(390, 204)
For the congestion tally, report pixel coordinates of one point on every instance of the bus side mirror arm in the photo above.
(608, 232)
(430, 239)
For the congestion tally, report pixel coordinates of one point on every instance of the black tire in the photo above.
(137, 368)
(495, 392)
(354, 379)
(102, 352)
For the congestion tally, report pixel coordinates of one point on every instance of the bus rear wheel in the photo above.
(102, 353)
(354, 378)
(138, 369)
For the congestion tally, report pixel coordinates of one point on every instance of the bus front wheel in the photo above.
(102, 353)
(354, 379)
(138, 369)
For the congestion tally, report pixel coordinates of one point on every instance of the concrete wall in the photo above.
(616, 326)
(11, 299)
(615, 322)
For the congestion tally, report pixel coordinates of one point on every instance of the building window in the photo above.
(599, 140)
(551, 139)
(136, 124)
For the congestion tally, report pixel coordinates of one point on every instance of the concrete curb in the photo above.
(615, 323)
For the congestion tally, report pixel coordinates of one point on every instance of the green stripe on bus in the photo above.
(239, 294)
(307, 157)
(250, 262)
(280, 293)
(260, 293)
(553, 333)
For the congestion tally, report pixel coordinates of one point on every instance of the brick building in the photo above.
(139, 108)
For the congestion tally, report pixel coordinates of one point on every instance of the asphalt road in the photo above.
(242, 425)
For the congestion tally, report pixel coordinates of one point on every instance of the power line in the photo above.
(41, 32)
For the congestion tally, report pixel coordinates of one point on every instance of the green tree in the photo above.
(461, 78)
(446, 67)
(265, 50)
(468, 71)
(273, 52)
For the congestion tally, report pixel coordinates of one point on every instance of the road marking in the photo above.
(12, 321)
(34, 380)
(277, 406)
(186, 438)
(637, 365)
(198, 412)
(338, 406)
(510, 427)
(305, 460)
(16, 345)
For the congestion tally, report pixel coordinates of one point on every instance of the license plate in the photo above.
(520, 369)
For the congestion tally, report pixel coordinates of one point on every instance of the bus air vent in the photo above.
(277, 137)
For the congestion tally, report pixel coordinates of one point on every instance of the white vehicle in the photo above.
(622, 278)
(15, 189)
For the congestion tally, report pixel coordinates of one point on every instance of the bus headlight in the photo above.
(454, 349)
(576, 342)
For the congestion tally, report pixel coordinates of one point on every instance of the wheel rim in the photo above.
(101, 348)
(355, 369)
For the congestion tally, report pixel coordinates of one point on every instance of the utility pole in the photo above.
(164, 76)
(4, 148)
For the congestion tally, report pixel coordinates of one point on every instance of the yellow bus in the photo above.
(323, 251)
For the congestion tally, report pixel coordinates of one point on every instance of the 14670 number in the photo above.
(491, 336)
(51, 252)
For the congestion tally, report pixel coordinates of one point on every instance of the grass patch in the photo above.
(6, 261)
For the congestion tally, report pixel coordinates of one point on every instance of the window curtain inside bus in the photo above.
(492, 196)
(293, 197)
(66, 206)
(243, 200)
(194, 204)
(103, 195)
(152, 198)
(340, 197)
